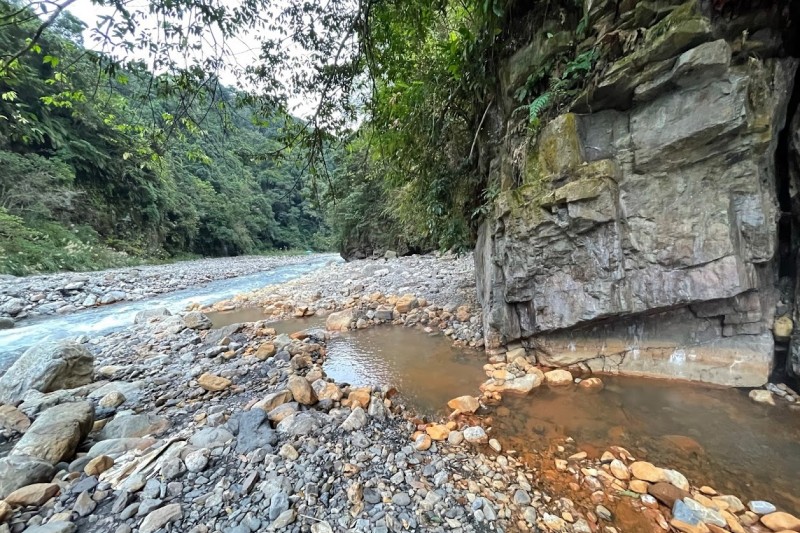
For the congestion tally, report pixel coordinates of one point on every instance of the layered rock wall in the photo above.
(638, 232)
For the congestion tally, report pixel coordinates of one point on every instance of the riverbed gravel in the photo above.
(239, 430)
(67, 292)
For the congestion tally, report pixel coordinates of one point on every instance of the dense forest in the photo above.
(405, 98)
(103, 167)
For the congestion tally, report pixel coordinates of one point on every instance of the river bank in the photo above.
(67, 292)
(238, 429)
(182, 437)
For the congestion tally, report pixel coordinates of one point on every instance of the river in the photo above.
(100, 320)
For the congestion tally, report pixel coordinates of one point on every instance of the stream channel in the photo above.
(100, 320)
(714, 436)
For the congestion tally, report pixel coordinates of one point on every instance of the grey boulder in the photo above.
(46, 367)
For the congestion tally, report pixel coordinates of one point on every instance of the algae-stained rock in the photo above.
(641, 268)
(47, 367)
(559, 146)
(56, 433)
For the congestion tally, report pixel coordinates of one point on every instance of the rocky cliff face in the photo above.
(639, 231)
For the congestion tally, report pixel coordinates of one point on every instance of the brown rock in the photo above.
(13, 419)
(326, 390)
(98, 465)
(36, 494)
(465, 404)
(700, 527)
(5, 510)
(301, 390)
(282, 411)
(619, 470)
(56, 433)
(341, 320)
(558, 378)
(781, 521)
(112, 399)
(667, 493)
(213, 383)
(647, 472)
(273, 400)
(733, 523)
(637, 485)
(463, 313)
(265, 351)
(406, 303)
(359, 397)
(437, 432)
(423, 442)
(591, 384)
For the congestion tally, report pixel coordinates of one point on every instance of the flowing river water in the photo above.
(110, 317)
(714, 436)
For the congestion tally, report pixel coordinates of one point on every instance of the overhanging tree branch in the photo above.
(36, 35)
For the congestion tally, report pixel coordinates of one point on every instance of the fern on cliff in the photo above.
(573, 76)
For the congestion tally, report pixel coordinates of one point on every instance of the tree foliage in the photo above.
(92, 159)
(415, 78)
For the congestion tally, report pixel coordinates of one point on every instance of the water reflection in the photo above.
(714, 436)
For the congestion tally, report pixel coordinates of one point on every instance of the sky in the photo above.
(245, 48)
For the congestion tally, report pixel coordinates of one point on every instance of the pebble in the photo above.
(761, 507)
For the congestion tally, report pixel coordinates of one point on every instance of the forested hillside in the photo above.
(102, 166)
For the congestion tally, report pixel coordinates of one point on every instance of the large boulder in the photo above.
(47, 367)
(18, 471)
(55, 435)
